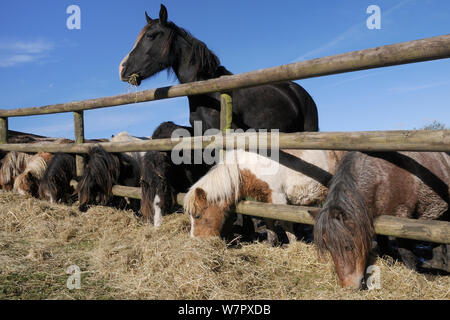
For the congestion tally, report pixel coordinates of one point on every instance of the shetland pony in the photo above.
(27, 183)
(103, 170)
(55, 183)
(12, 165)
(366, 185)
(300, 178)
(161, 179)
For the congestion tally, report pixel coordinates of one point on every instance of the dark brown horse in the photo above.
(405, 184)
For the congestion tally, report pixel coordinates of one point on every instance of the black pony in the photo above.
(161, 179)
(163, 45)
(55, 183)
(103, 170)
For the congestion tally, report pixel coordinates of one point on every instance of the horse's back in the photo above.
(285, 106)
(406, 184)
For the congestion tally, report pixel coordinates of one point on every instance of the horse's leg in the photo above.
(440, 259)
(405, 249)
(272, 237)
(288, 227)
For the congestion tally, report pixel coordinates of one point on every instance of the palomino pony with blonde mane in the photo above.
(300, 178)
(27, 183)
(13, 164)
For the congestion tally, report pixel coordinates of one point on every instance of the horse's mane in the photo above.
(12, 166)
(207, 64)
(154, 182)
(58, 174)
(344, 206)
(102, 169)
(221, 184)
(36, 167)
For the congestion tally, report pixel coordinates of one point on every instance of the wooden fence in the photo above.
(389, 55)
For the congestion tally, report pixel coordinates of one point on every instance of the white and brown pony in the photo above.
(404, 184)
(27, 183)
(300, 178)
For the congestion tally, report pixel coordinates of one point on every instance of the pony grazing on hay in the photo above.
(27, 183)
(13, 164)
(366, 185)
(161, 179)
(300, 178)
(103, 170)
(55, 183)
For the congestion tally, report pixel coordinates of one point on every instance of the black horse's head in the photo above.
(163, 45)
(158, 194)
(150, 52)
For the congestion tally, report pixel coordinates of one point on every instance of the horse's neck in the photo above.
(185, 70)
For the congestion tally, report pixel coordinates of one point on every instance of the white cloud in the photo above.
(407, 89)
(36, 46)
(12, 60)
(14, 53)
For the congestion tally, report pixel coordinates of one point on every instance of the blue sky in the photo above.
(42, 62)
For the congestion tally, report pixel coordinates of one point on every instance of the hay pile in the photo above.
(122, 259)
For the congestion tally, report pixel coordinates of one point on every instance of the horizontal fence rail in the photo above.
(415, 140)
(389, 55)
(422, 230)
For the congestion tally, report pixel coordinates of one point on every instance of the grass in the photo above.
(120, 258)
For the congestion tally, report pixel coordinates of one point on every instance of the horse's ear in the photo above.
(314, 212)
(200, 195)
(163, 15)
(149, 20)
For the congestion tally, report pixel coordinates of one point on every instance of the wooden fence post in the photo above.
(3, 130)
(79, 138)
(226, 111)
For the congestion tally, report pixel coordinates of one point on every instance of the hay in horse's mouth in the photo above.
(134, 79)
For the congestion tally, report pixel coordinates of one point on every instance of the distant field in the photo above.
(122, 259)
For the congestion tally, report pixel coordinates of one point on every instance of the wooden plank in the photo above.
(226, 111)
(423, 230)
(78, 120)
(3, 130)
(416, 140)
(389, 55)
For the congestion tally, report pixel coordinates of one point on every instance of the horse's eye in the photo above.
(151, 36)
(197, 216)
(348, 248)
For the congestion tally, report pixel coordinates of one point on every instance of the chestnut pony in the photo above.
(300, 178)
(366, 185)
